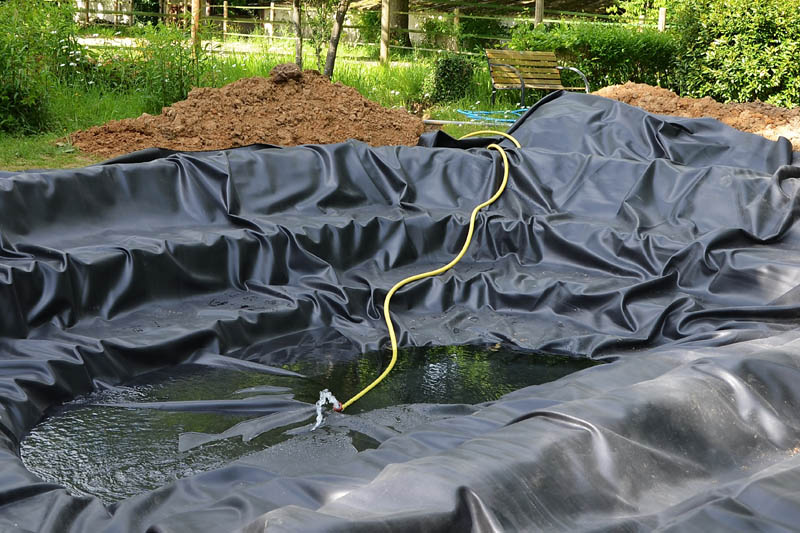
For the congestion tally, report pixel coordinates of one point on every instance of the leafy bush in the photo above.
(369, 23)
(740, 50)
(163, 67)
(318, 15)
(439, 32)
(630, 10)
(38, 48)
(472, 33)
(449, 79)
(146, 6)
(607, 53)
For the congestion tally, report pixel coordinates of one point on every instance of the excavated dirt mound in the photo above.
(756, 117)
(290, 108)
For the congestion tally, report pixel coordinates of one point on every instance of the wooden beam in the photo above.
(196, 27)
(386, 13)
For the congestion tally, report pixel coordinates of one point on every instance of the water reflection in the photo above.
(93, 445)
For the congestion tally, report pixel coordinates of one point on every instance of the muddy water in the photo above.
(180, 421)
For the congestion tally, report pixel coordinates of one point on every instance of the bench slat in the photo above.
(512, 61)
(532, 85)
(528, 81)
(528, 68)
(510, 78)
(527, 73)
(519, 53)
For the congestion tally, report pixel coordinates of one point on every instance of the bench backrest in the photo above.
(538, 69)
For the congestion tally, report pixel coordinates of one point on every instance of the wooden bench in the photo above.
(520, 70)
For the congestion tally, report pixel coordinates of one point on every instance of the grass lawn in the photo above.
(49, 150)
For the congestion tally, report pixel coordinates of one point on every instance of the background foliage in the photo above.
(318, 15)
(740, 50)
(607, 53)
(38, 49)
(449, 79)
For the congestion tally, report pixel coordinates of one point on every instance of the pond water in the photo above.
(187, 419)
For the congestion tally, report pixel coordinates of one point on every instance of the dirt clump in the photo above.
(755, 117)
(285, 72)
(290, 108)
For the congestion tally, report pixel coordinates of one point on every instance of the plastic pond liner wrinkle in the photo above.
(666, 247)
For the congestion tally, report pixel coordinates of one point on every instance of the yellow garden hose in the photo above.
(439, 270)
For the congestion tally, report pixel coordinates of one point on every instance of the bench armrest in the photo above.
(582, 75)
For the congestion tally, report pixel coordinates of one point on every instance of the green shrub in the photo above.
(439, 32)
(38, 49)
(631, 10)
(607, 53)
(369, 26)
(472, 33)
(318, 15)
(146, 6)
(163, 67)
(449, 79)
(741, 50)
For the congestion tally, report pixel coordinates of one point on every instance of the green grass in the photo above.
(71, 109)
(76, 108)
(48, 150)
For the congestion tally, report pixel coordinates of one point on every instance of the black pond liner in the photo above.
(667, 247)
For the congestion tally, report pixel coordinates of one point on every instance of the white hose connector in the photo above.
(325, 396)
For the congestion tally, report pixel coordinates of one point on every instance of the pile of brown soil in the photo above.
(755, 117)
(289, 108)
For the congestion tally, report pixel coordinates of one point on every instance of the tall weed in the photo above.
(163, 67)
(37, 47)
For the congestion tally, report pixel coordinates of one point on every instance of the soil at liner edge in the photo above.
(755, 117)
(289, 108)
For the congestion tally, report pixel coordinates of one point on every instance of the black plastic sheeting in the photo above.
(669, 247)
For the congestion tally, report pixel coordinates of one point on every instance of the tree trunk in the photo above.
(298, 31)
(400, 22)
(196, 28)
(336, 34)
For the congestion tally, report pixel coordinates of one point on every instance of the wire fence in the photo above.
(448, 28)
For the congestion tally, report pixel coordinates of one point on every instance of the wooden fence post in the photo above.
(456, 23)
(196, 28)
(224, 18)
(662, 18)
(87, 12)
(386, 12)
(297, 22)
(538, 14)
(271, 27)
